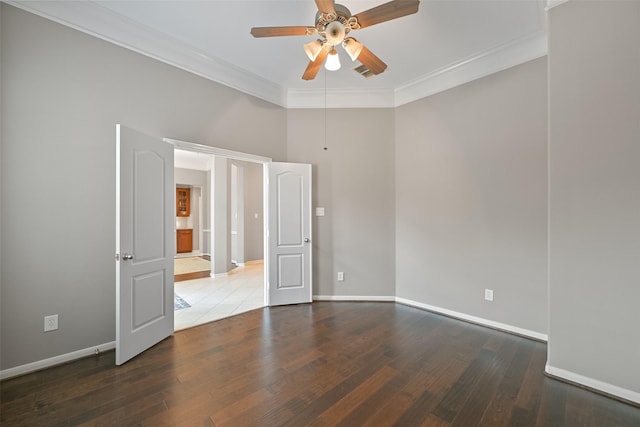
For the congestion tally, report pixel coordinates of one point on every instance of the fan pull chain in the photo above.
(325, 111)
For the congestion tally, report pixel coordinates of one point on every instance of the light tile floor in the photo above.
(212, 299)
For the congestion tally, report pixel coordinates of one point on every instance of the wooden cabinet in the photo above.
(183, 202)
(184, 240)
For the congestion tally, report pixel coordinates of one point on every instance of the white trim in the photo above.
(553, 3)
(477, 320)
(103, 23)
(491, 61)
(340, 98)
(215, 151)
(218, 275)
(56, 360)
(594, 384)
(353, 298)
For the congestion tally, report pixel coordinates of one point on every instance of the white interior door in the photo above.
(144, 242)
(288, 233)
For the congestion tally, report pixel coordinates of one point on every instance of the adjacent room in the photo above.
(239, 285)
(447, 189)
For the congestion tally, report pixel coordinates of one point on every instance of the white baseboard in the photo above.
(56, 360)
(473, 319)
(593, 384)
(353, 298)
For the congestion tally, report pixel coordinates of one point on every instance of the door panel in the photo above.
(144, 242)
(289, 233)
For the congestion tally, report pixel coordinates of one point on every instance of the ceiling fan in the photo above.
(333, 24)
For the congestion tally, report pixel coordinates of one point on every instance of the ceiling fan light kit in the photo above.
(334, 33)
(333, 23)
(312, 49)
(333, 61)
(353, 47)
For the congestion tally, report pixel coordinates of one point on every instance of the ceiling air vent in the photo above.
(363, 71)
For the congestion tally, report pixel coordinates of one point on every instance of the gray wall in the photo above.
(471, 207)
(190, 177)
(594, 77)
(443, 197)
(221, 208)
(253, 204)
(353, 180)
(62, 94)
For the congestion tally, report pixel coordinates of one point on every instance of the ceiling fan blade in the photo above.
(282, 31)
(372, 62)
(387, 11)
(314, 66)
(326, 6)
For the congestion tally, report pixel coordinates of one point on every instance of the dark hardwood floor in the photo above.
(324, 364)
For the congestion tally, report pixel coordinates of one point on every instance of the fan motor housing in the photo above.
(334, 26)
(341, 12)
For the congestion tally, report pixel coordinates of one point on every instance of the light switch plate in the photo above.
(319, 211)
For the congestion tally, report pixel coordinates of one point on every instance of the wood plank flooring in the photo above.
(321, 364)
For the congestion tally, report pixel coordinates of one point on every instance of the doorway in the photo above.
(232, 234)
(145, 234)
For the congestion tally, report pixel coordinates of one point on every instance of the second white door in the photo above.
(288, 260)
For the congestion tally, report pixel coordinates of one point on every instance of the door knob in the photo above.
(127, 257)
(306, 240)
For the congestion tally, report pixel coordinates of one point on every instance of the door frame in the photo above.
(237, 155)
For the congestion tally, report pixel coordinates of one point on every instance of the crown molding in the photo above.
(340, 98)
(100, 22)
(488, 62)
(553, 3)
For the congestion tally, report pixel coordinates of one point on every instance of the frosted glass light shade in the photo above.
(333, 62)
(353, 47)
(312, 49)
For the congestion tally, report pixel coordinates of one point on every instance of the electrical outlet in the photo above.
(50, 323)
(488, 294)
(340, 276)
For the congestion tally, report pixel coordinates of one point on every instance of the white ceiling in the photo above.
(447, 43)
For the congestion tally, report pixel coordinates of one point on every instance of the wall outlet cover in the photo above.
(50, 323)
(488, 294)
